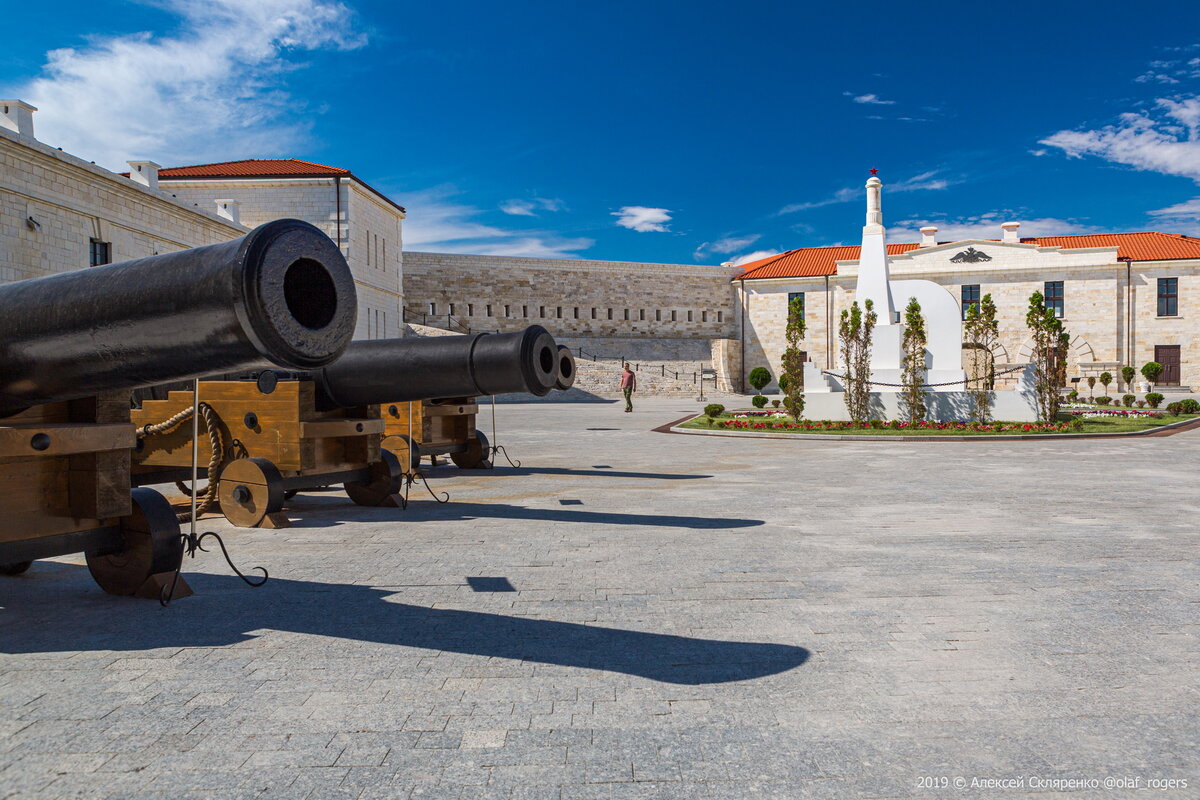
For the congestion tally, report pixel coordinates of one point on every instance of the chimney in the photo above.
(1010, 232)
(145, 173)
(229, 209)
(17, 117)
(929, 236)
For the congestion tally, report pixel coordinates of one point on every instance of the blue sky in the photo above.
(649, 131)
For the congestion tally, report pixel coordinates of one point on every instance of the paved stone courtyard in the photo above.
(642, 615)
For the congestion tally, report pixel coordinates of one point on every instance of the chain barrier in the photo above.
(495, 448)
(928, 385)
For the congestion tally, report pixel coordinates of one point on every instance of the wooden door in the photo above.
(1168, 356)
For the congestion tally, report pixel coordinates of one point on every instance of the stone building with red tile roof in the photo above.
(1124, 297)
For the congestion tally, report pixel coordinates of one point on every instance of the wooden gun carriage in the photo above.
(73, 345)
(280, 435)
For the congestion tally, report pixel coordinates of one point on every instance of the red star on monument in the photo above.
(874, 171)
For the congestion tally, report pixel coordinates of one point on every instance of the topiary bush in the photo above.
(712, 411)
(1141, 404)
(1072, 395)
(1175, 409)
(1127, 400)
(1190, 406)
(758, 400)
(774, 404)
(759, 377)
(1103, 400)
(1127, 375)
(1151, 370)
(1154, 399)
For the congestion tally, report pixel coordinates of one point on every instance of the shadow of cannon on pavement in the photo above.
(56, 608)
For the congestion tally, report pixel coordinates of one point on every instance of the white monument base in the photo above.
(1007, 406)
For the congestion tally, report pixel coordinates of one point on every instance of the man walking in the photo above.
(628, 386)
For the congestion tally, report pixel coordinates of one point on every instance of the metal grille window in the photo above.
(970, 297)
(99, 253)
(796, 296)
(1168, 297)
(1054, 297)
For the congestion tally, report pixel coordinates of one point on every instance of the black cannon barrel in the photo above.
(397, 370)
(283, 293)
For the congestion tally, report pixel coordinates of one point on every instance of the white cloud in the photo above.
(1180, 218)
(727, 244)
(870, 99)
(925, 181)
(987, 226)
(1166, 140)
(643, 219)
(438, 223)
(191, 95)
(755, 256)
(530, 208)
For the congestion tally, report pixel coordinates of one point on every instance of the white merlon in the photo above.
(230, 210)
(929, 236)
(17, 116)
(1010, 232)
(145, 173)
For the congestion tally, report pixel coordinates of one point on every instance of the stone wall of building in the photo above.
(53, 204)
(573, 297)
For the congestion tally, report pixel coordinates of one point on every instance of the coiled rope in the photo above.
(216, 441)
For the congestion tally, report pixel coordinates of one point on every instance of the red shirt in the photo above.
(628, 380)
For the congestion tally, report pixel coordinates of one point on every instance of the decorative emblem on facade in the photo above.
(970, 256)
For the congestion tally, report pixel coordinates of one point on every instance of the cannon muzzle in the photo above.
(566, 369)
(282, 293)
(398, 370)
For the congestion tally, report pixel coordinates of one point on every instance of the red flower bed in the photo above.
(923, 425)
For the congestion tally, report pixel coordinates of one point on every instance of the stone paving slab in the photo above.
(690, 617)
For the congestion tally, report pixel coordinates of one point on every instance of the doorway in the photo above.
(1168, 356)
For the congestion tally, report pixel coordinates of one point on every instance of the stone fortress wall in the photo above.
(663, 317)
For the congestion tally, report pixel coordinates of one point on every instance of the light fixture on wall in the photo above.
(32, 224)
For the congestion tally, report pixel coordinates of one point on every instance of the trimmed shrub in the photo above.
(1151, 370)
(1154, 399)
(758, 400)
(1127, 375)
(1072, 395)
(1127, 400)
(1190, 406)
(759, 377)
(1175, 409)
(1103, 400)
(712, 411)
(774, 404)
(1141, 404)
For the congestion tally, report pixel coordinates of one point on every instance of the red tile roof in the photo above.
(808, 262)
(254, 168)
(1141, 246)
(267, 168)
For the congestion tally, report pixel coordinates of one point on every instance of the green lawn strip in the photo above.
(1097, 425)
